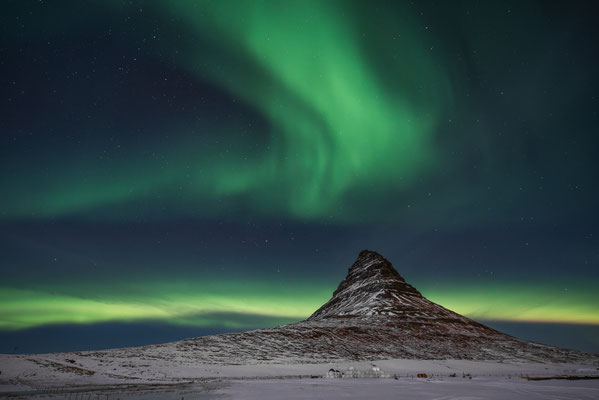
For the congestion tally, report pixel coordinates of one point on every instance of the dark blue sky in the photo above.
(178, 169)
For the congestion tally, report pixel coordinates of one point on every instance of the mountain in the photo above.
(374, 314)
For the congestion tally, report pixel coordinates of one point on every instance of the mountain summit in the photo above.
(371, 287)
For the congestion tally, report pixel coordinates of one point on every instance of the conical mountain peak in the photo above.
(371, 264)
(372, 287)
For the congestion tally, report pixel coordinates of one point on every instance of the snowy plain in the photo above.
(492, 388)
(445, 379)
(413, 389)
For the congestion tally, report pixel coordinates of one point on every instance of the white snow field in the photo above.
(445, 379)
(410, 389)
(446, 389)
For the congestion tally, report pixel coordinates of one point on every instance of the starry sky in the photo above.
(175, 169)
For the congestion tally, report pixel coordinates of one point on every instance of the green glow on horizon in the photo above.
(21, 309)
(512, 302)
(224, 304)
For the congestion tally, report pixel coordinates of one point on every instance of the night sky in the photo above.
(174, 169)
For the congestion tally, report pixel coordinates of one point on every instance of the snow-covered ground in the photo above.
(445, 379)
(499, 388)
(412, 389)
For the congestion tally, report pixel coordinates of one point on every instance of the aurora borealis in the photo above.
(217, 165)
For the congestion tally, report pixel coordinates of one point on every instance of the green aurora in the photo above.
(219, 163)
(332, 125)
